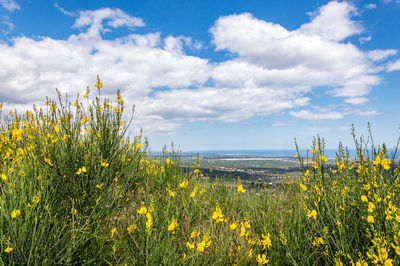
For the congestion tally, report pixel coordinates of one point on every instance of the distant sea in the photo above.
(329, 153)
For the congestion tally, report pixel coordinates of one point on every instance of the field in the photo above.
(75, 189)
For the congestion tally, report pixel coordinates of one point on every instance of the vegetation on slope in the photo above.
(75, 189)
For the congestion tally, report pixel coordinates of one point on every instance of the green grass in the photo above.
(52, 211)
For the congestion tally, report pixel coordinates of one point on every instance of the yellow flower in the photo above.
(303, 187)
(100, 186)
(190, 245)
(149, 221)
(194, 234)
(339, 224)
(312, 214)
(296, 155)
(364, 198)
(113, 232)
(170, 192)
(73, 211)
(370, 219)
(4, 177)
(371, 207)
(131, 228)
(56, 129)
(184, 183)
(48, 161)
(142, 210)
(15, 213)
(8, 250)
(35, 200)
(240, 188)
(173, 225)
(266, 241)
(98, 84)
(233, 226)
(105, 164)
(201, 246)
(217, 215)
(261, 259)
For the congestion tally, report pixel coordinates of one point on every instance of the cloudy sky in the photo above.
(207, 76)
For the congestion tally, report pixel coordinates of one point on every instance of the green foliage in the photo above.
(74, 189)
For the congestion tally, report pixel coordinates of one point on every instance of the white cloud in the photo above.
(307, 115)
(370, 6)
(10, 5)
(65, 12)
(332, 22)
(278, 124)
(364, 39)
(271, 69)
(379, 54)
(393, 66)
(313, 55)
(98, 20)
(357, 100)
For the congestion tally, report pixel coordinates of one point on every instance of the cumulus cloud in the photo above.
(271, 69)
(10, 5)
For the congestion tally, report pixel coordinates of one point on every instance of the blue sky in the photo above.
(214, 75)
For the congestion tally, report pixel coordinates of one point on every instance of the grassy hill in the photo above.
(75, 189)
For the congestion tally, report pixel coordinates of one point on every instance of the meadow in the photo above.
(76, 189)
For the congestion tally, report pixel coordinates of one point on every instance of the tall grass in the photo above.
(75, 189)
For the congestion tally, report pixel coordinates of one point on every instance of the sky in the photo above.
(214, 75)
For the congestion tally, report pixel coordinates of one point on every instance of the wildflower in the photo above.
(371, 207)
(142, 210)
(261, 259)
(303, 187)
(364, 198)
(250, 253)
(296, 155)
(35, 200)
(266, 241)
(193, 194)
(233, 226)
(194, 234)
(149, 221)
(172, 226)
(48, 161)
(168, 161)
(73, 211)
(312, 214)
(98, 84)
(113, 232)
(15, 213)
(318, 241)
(4, 177)
(105, 164)
(184, 183)
(170, 192)
(240, 187)
(8, 250)
(217, 215)
(339, 224)
(100, 186)
(190, 245)
(56, 129)
(370, 219)
(131, 228)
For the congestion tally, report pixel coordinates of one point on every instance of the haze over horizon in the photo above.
(229, 76)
